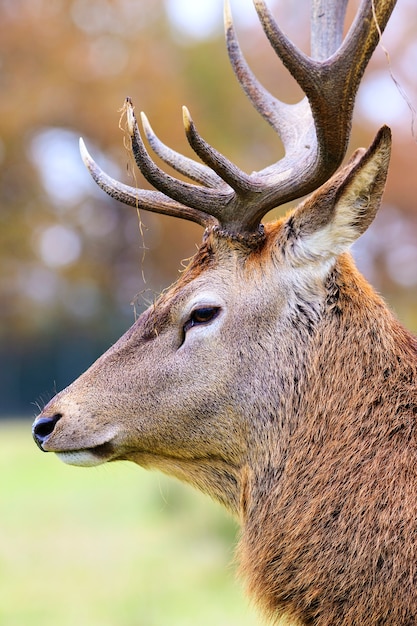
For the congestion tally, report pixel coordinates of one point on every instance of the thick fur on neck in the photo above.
(332, 537)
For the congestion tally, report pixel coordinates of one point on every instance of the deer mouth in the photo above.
(87, 457)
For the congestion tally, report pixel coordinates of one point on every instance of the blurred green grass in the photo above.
(110, 546)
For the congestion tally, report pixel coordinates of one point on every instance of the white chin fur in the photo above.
(82, 458)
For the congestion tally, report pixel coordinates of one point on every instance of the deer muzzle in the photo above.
(72, 445)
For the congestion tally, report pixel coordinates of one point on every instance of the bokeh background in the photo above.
(76, 267)
(71, 260)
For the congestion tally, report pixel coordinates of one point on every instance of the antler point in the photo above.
(130, 117)
(84, 153)
(145, 122)
(227, 12)
(186, 116)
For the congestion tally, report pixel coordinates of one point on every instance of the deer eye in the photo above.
(200, 316)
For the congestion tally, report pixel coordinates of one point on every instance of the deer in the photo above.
(271, 376)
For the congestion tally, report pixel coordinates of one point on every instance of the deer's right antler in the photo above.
(315, 131)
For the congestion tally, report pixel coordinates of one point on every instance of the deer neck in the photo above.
(334, 449)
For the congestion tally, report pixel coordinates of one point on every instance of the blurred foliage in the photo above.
(72, 260)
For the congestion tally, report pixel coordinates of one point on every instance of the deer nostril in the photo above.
(43, 428)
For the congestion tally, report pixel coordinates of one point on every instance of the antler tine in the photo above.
(327, 32)
(330, 84)
(363, 37)
(141, 198)
(192, 169)
(232, 175)
(274, 111)
(199, 198)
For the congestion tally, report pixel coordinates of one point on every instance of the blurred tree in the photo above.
(72, 260)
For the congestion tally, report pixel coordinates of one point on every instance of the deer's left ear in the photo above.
(334, 216)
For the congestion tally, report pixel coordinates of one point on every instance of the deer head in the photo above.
(261, 359)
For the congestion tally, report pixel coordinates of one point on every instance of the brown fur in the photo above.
(295, 407)
(334, 541)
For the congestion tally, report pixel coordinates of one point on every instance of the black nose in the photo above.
(44, 427)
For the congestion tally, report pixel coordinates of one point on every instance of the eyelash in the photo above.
(201, 316)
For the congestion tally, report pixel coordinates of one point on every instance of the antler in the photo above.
(315, 131)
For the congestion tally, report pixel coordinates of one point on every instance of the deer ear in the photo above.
(332, 218)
